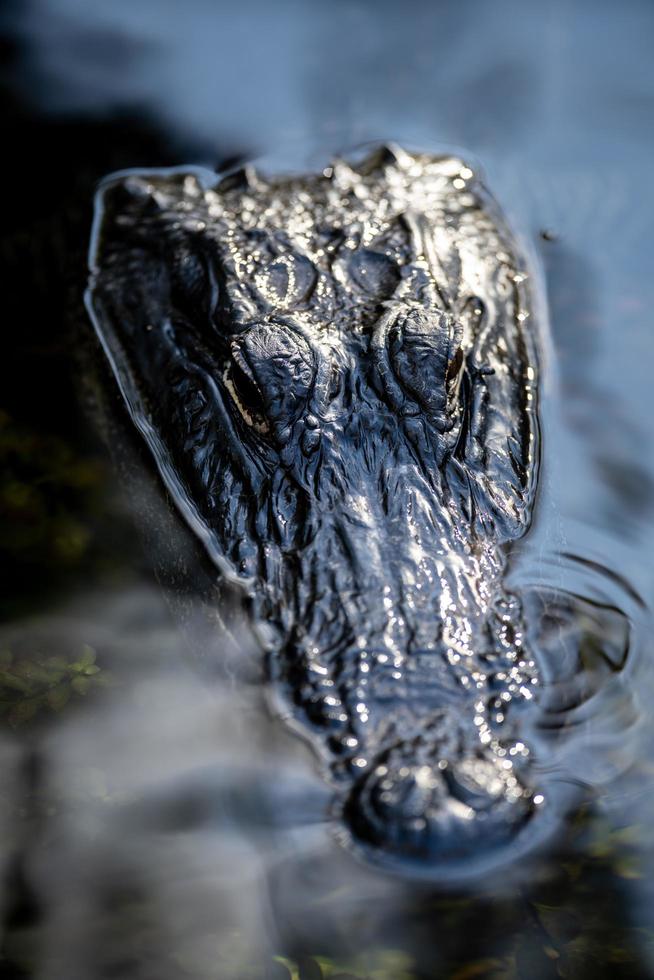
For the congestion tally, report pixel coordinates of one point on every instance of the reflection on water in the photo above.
(163, 825)
(169, 827)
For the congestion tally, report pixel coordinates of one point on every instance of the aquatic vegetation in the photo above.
(52, 506)
(31, 685)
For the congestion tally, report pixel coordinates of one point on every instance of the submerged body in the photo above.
(337, 375)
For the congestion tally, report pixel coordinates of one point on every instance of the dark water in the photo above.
(156, 821)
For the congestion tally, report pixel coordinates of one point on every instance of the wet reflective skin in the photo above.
(337, 375)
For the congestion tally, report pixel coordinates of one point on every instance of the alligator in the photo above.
(337, 374)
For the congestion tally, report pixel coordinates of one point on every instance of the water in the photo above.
(164, 824)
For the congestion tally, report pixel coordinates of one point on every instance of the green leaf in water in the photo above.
(309, 969)
(80, 685)
(58, 697)
(22, 711)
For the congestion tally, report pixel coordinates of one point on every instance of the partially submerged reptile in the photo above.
(337, 375)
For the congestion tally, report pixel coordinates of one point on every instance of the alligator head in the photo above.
(337, 376)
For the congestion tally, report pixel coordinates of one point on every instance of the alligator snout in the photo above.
(438, 807)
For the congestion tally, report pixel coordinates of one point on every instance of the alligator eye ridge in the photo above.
(272, 373)
(375, 273)
(287, 282)
(427, 359)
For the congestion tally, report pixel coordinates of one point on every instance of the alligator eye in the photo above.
(287, 282)
(242, 386)
(271, 375)
(427, 358)
(373, 272)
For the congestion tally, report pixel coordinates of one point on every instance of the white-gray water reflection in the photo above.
(169, 826)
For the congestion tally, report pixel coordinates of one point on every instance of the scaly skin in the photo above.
(337, 376)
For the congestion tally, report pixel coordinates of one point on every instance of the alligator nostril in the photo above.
(443, 813)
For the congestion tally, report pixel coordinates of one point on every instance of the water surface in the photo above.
(163, 824)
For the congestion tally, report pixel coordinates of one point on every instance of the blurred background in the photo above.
(155, 820)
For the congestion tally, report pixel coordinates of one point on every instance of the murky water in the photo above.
(157, 821)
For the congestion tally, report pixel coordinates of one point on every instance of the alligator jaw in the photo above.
(430, 805)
